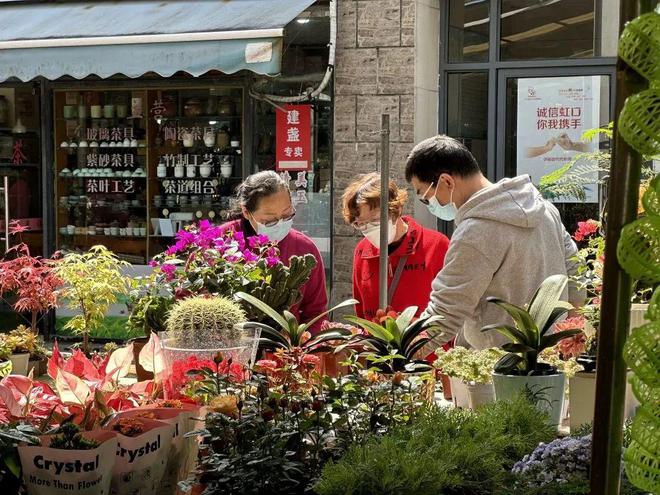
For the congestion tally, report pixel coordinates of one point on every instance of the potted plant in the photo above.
(93, 281)
(205, 260)
(520, 370)
(200, 327)
(30, 282)
(11, 436)
(149, 310)
(393, 344)
(70, 460)
(20, 343)
(471, 374)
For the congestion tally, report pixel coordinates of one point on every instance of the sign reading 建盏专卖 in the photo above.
(293, 138)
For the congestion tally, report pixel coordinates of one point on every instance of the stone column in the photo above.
(375, 74)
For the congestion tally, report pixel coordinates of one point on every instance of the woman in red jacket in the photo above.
(266, 209)
(416, 254)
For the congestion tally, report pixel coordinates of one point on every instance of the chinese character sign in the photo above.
(293, 136)
(553, 112)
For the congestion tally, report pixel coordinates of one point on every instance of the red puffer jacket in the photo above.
(425, 251)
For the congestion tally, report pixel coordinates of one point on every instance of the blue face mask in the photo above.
(446, 212)
(275, 232)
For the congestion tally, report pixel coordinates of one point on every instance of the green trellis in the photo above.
(637, 246)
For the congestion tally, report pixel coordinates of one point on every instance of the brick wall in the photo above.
(375, 74)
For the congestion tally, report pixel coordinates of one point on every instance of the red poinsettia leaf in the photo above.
(119, 363)
(55, 362)
(80, 365)
(9, 402)
(71, 388)
(151, 356)
(15, 227)
(19, 385)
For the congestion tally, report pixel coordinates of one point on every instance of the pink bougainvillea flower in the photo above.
(585, 230)
(168, 270)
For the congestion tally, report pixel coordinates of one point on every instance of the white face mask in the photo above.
(372, 233)
(443, 212)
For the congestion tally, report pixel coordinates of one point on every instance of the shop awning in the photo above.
(135, 37)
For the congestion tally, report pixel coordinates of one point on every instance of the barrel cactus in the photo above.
(199, 322)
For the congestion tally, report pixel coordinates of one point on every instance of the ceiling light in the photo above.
(302, 20)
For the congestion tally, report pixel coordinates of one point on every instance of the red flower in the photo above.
(310, 360)
(585, 230)
(267, 366)
(572, 347)
(577, 322)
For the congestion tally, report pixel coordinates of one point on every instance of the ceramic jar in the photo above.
(188, 140)
(205, 169)
(209, 138)
(179, 171)
(190, 171)
(161, 170)
(226, 168)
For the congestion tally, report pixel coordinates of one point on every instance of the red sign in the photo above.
(293, 136)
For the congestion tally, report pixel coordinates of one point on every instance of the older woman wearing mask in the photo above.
(266, 209)
(415, 254)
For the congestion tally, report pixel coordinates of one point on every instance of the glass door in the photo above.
(545, 129)
(21, 188)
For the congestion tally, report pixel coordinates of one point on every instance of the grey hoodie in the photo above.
(507, 240)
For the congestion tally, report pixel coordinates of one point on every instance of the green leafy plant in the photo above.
(93, 282)
(448, 451)
(69, 437)
(23, 340)
(469, 365)
(11, 435)
(531, 333)
(274, 432)
(200, 319)
(394, 343)
(290, 333)
(148, 306)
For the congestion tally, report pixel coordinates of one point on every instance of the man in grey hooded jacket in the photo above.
(507, 240)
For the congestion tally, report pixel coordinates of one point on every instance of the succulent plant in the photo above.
(204, 320)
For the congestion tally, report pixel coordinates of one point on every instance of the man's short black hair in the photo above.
(440, 155)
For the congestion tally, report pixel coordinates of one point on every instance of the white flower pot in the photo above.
(638, 315)
(19, 363)
(582, 399)
(480, 394)
(550, 387)
(459, 393)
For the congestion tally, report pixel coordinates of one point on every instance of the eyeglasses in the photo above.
(272, 223)
(422, 198)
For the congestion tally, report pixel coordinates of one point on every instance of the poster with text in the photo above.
(553, 112)
(293, 130)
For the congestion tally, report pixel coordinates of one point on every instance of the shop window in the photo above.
(468, 30)
(20, 176)
(133, 166)
(557, 29)
(467, 112)
(546, 118)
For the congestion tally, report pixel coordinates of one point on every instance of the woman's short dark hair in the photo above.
(440, 155)
(258, 186)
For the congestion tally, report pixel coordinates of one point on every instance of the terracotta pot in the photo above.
(142, 374)
(446, 386)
